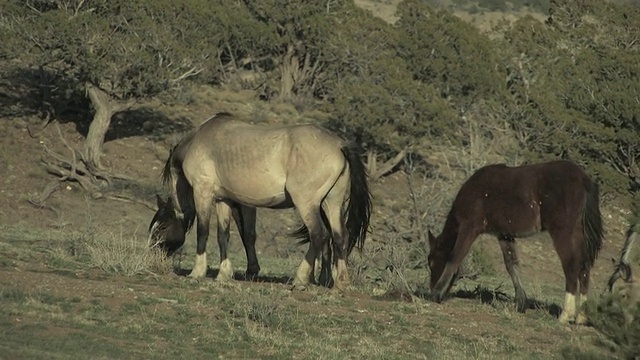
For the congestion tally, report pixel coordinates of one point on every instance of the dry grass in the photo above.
(122, 255)
(182, 318)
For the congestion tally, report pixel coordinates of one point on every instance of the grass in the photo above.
(115, 253)
(98, 291)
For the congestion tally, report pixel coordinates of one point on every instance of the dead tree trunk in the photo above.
(105, 108)
(297, 71)
(288, 68)
(84, 167)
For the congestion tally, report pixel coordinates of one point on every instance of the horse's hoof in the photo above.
(564, 318)
(437, 298)
(224, 279)
(299, 287)
(195, 275)
(340, 286)
(336, 291)
(251, 276)
(581, 319)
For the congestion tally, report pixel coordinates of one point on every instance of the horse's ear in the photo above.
(160, 201)
(432, 239)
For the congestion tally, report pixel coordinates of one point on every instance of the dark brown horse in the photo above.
(239, 167)
(512, 202)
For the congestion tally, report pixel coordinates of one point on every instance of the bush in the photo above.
(569, 79)
(125, 256)
(606, 315)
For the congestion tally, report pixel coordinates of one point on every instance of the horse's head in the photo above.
(622, 271)
(166, 230)
(628, 296)
(438, 256)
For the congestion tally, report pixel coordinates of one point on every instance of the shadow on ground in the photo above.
(485, 295)
(240, 276)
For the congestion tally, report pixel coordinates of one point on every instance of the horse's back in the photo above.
(226, 129)
(519, 200)
(542, 176)
(253, 163)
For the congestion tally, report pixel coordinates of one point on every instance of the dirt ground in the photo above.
(141, 158)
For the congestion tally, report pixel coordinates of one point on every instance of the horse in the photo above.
(629, 291)
(238, 167)
(514, 202)
(623, 268)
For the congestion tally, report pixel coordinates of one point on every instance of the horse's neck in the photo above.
(449, 233)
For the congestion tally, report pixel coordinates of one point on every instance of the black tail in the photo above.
(592, 224)
(166, 170)
(359, 207)
(179, 188)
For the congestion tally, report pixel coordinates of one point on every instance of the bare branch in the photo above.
(80, 3)
(417, 216)
(187, 74)
(52, 187)
(389, 165)
(127, 199)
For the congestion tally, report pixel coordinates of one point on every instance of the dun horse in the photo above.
(512, 202)
(239, 167)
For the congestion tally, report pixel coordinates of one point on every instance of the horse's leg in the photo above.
(585, 274)
(465, 238)
(318, 267)
(317, 233)
(336, 223)
(563, 242)
(245, 218)
(325, 266)
(584, 279)
(508, 247)
(223, 213)
(202, 201)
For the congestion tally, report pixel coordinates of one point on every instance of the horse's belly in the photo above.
(521, 222)
(265, 200)
(257, 191)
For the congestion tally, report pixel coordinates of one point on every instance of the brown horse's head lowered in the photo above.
(438, 260)
(512, 202)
